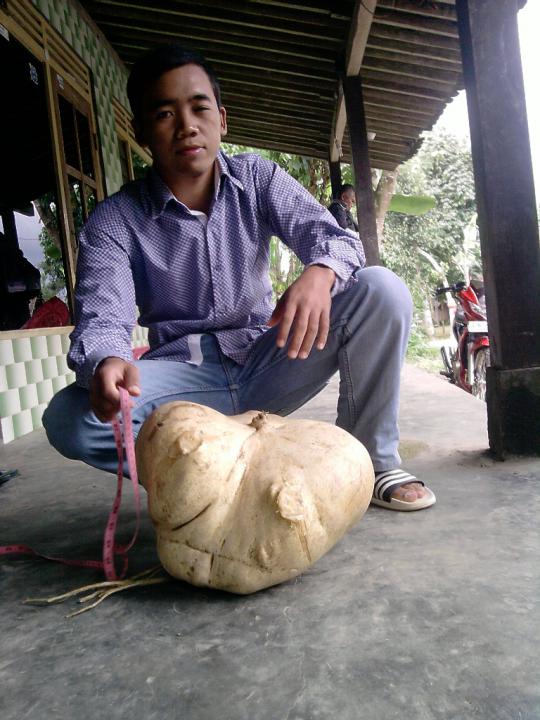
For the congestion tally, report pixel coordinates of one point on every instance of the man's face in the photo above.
(181, 123)
(348, 198)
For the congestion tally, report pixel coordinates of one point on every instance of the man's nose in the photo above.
(186, 127)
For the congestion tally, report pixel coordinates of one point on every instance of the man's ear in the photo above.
(223, 119)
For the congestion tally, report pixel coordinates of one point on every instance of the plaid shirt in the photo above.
(143, 248)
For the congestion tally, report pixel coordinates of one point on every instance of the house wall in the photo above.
(33, 364)
(109, 74)
(33, 367)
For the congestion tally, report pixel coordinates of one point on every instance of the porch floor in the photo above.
(429, 615)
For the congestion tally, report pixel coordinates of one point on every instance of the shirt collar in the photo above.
(159, 192)
(225, 171)
(161, 195)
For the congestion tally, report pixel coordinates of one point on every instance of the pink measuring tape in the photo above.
(123, 435)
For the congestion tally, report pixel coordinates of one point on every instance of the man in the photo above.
(341, 207)
(189, 246)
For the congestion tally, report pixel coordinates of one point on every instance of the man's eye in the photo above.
(201, 107)
(163, 114)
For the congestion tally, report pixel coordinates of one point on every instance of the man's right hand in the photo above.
(110, 374)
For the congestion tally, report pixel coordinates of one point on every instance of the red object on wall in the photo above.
(53, 313)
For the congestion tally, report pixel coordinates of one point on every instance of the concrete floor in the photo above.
(423, 616)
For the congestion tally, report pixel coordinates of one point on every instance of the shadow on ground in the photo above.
(429, 615)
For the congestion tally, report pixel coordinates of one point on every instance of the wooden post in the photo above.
(507, 219)
(365, 201)
(335, 176)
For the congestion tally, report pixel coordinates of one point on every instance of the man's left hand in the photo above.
(304, 308)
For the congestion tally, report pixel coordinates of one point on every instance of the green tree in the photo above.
(53, 279)
(442, 245)
(443, 170)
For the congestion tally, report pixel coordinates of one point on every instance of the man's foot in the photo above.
(399, 490)
(410, 492)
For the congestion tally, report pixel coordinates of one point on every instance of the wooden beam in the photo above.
(442, 11)
(294, 91)
(284, 86)
(263, 78)
(394, 54)
(240, 125)
(263, 117)
(284, 146)
(339, 8)
(279, 120)
(421, 72)
(365, 202)
(280, 123)
(335, 176)
(377, 154)
(384, 127)
(402, 101)
(265, 105)
(388, 154)
(383, 164)
(301, 71)
(423, 42)
(134, 36)
(313, 76)
(376, 108)
(417, 23)
(392, 145)
(378, 159)
(411, 52)
(288, 24)
(507, 220)
(358, 37)
(249, 11)
(315, 143)
(409, 85)
(230, 37)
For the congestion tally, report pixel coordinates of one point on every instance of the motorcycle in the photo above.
(465, 365)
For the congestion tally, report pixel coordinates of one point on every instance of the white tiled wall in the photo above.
(33, 368)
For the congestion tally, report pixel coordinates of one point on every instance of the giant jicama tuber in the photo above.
(244, 502)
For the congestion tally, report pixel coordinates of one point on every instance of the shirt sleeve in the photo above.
(105, 310)
(306, 227)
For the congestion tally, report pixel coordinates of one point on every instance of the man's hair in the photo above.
(158, 61)
(344, 188)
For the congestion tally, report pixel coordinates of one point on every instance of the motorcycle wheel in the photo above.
(481, 363)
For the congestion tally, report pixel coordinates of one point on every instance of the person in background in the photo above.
(341, 207)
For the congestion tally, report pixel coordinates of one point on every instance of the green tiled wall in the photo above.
(109, 76)
(32, 370)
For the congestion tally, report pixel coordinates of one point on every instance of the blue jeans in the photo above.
(369, 328)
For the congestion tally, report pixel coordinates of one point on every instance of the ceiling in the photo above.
(279, 62)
